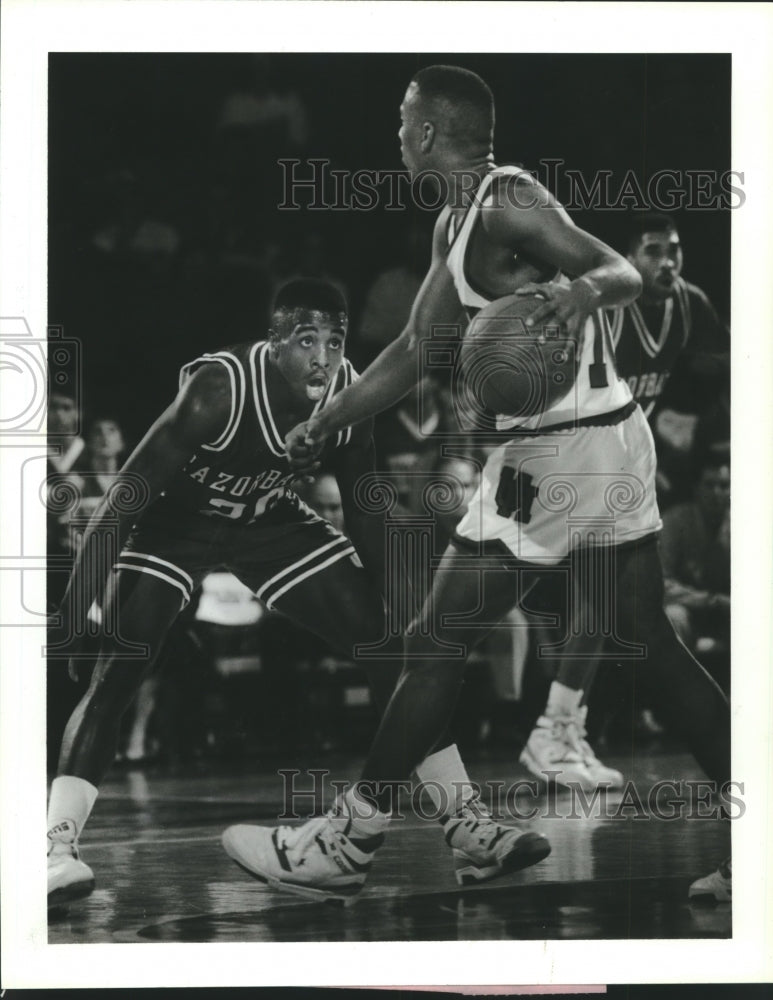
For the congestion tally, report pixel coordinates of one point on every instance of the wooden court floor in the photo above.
(154, 844)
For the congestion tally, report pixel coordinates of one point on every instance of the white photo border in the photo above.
(31, 29)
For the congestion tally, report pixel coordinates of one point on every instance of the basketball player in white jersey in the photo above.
(672, 322)
(500, 231)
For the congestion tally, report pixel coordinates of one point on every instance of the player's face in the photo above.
(658, 259)
(714, 490)
(62, 415)
(311, 354)
(325, 498)
(105, 439)
(410, 129)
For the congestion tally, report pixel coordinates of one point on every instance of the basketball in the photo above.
(507, 368)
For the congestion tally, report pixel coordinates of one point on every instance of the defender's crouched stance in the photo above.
(218, 480)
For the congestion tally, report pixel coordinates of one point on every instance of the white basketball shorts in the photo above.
(549, 494)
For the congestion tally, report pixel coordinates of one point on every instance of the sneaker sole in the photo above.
(708, 899)
(69, 893)
(529, 850)
(342, 896)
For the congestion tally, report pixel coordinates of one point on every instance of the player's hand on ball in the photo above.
(569, 305)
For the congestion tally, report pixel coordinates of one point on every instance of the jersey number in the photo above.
(234, 511)
(515, 494)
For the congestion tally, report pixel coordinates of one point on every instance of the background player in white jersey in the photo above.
(516, 237)
(217, 496)
(671, 325)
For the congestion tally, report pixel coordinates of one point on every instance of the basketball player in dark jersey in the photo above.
(500, 230)
(214, 479)
(671, 324)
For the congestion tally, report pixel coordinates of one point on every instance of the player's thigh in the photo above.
(338, 603)
(469, 596)
(136, 614)
(638, 592)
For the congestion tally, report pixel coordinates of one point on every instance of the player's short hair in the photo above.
(461, 100)
(313, 294)
(648, 222)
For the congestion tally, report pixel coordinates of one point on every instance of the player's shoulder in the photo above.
(514, 200)
(695, 293)
(221, 372)
(512, 185)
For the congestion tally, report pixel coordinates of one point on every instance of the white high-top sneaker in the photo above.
(557, 752)
(602, 774)
(320, 859)
(68, 877)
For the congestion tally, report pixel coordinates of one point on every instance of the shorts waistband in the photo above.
(596, 420)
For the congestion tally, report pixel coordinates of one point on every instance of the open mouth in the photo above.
(316, 386)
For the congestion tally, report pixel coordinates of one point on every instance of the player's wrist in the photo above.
(327, 421)
(588, 290)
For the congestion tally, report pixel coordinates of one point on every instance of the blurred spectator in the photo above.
(65, 444)
(695, 549)
(100, 463)
(406, 444)
(129, 230)
(258, 105)
(65, 459)
(324, 497)
(389, 299)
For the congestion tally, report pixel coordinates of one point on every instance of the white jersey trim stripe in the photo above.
(277, 439)
(161, 576)
(616, 326)
(232, 365)
(336, 543)
(131, 554)
(271, 444)
(349, 550)
(684, 305)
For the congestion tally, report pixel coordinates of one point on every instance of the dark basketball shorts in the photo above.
(273, 555)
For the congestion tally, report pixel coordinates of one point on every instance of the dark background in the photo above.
(137, 139)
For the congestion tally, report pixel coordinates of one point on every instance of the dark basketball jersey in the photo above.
(648, 340)
(245, 472)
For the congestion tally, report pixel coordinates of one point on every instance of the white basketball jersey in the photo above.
(597, 389)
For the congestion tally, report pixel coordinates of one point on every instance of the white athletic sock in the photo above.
(562, 700)
(366, 819)
(446, 780)
(71, 798)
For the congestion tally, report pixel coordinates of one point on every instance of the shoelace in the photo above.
(298, 838)
(474, 811)
(571, 731)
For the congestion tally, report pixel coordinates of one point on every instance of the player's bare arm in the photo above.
(394, 371)
(198, 414)
(526, 218)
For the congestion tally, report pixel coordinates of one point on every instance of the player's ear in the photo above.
(427, 136)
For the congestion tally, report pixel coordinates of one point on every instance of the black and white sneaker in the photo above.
(484, 849)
